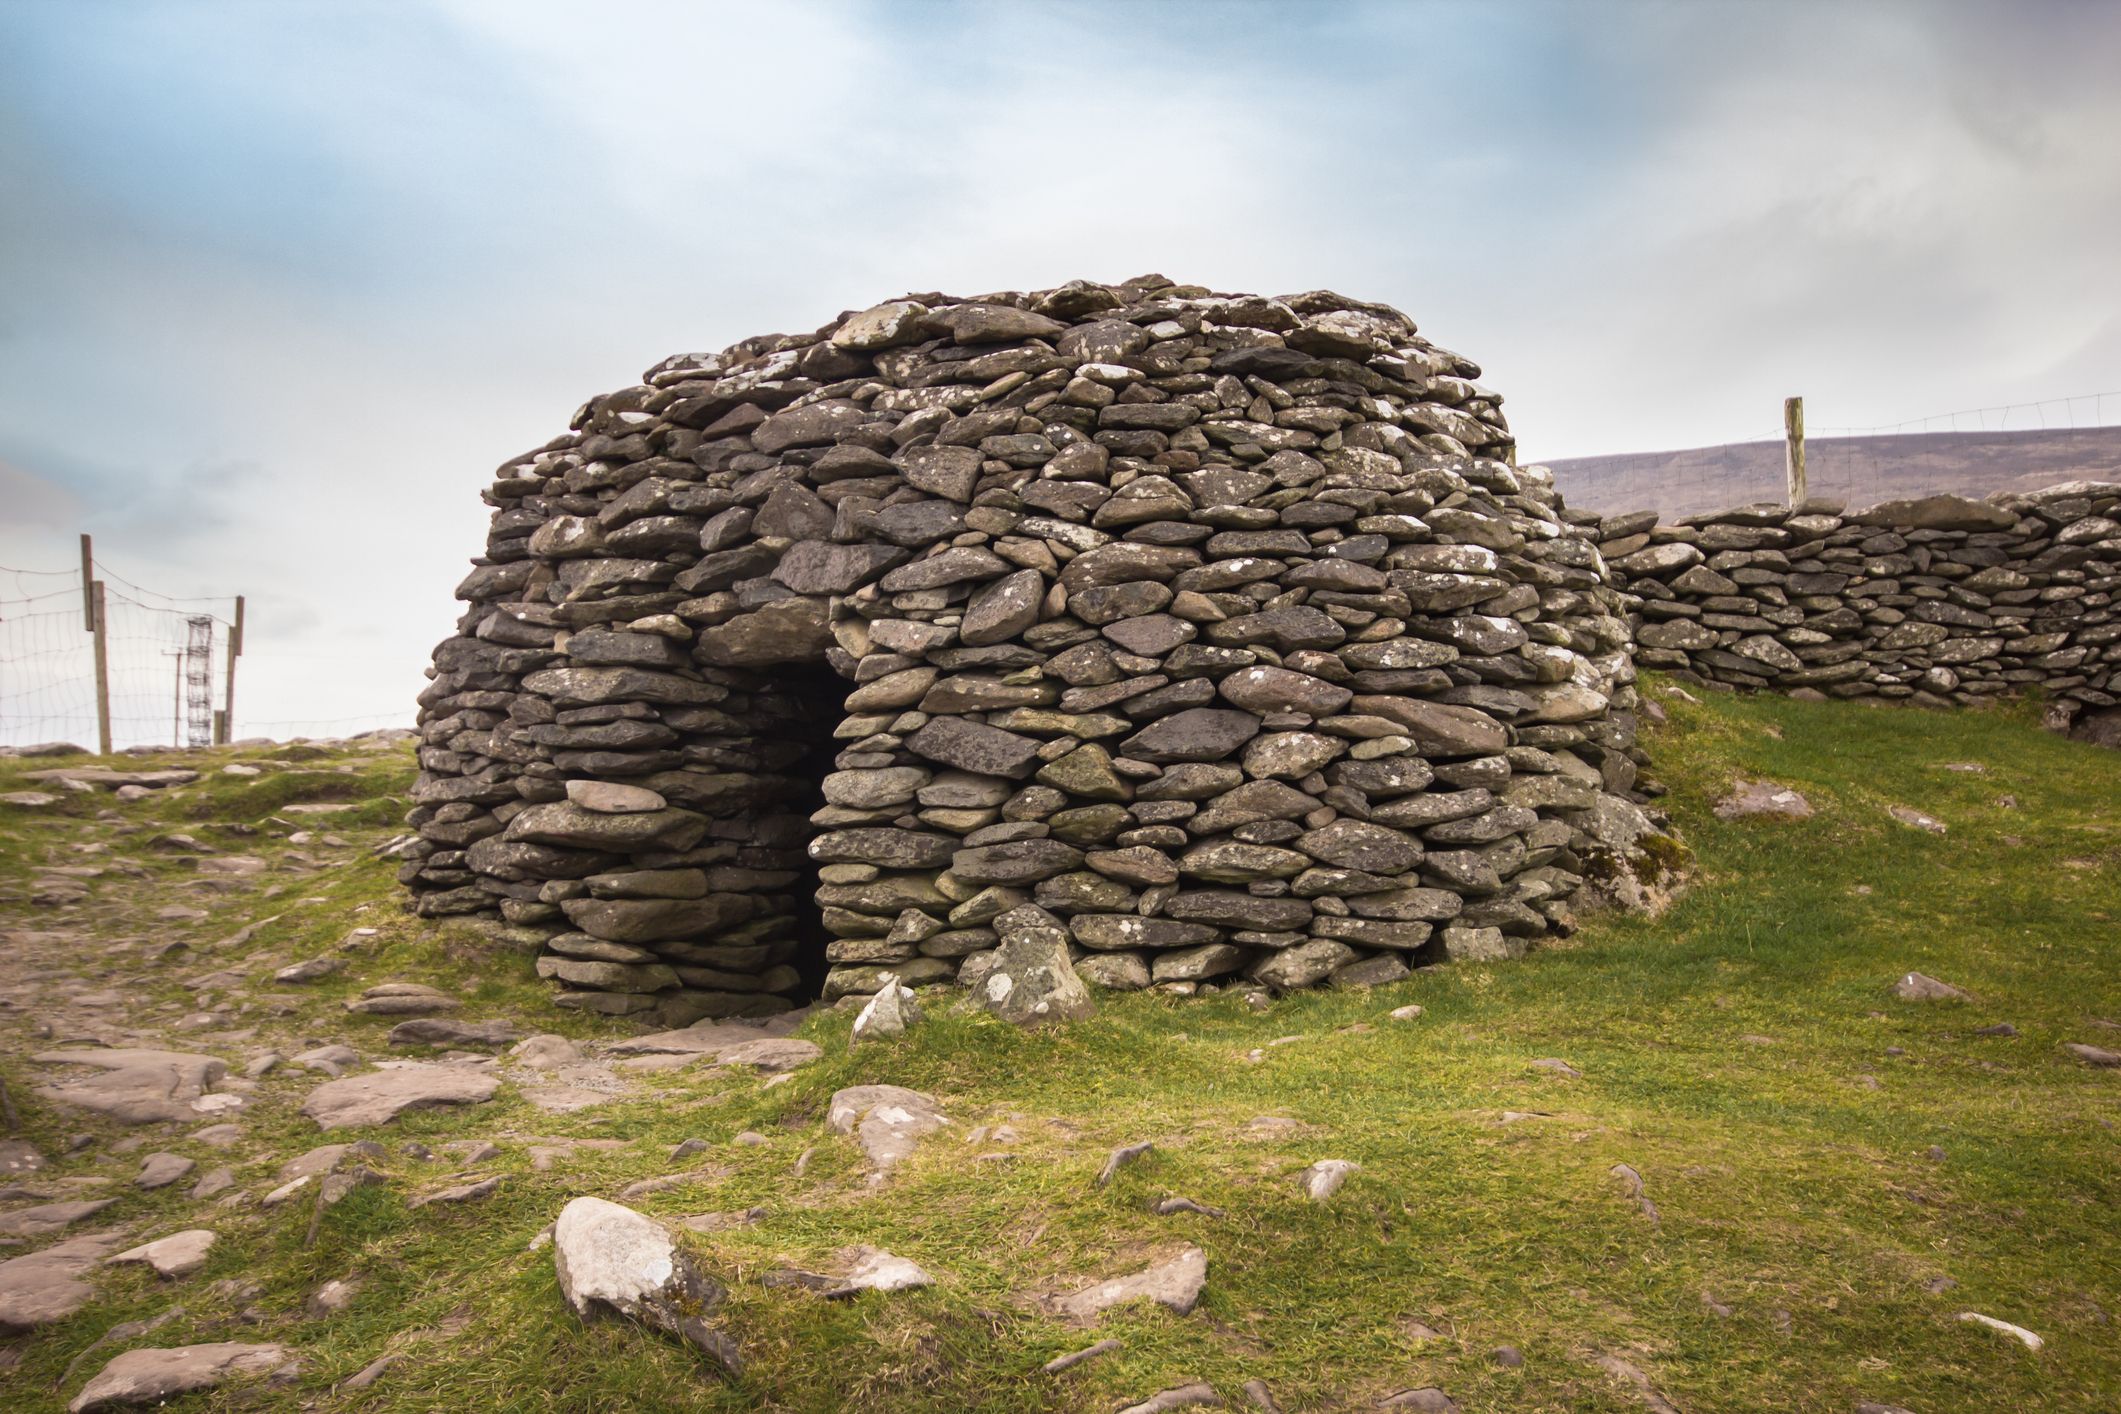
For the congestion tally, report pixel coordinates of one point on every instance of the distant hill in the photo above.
(1861, 470)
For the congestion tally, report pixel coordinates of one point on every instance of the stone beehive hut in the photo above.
(1220, 628)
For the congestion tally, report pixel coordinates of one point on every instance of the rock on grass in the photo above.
(134, 1086)
(1916, 987)
(887, 1120)
(1748, 798)
(2017, 1333)
(1324, 1178)
(381, 1096)
(610, 1258)
(47, 1286)
(1174, 1284)
(178, 1255)
(151, 1376)
(50, 1217)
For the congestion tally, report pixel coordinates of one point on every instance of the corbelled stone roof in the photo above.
(1212, 635)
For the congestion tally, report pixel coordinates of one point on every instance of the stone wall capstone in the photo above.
(1938, 600)
(1216, 630)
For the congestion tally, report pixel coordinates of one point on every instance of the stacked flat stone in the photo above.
(1218, 627)
(1939, 600)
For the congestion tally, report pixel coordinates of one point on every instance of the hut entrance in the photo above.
(811, 695)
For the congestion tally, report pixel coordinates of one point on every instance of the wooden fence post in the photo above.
(228, 693)
(88, 577)
(1793, 430)
(102, 667)
(176, 704)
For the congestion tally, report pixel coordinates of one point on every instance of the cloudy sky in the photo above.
(280, 284)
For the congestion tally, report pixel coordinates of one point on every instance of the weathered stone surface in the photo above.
(975, 747)
(442, 1031)
(1378, 970)
(773, 1055)
(1032, 982)
(1351, 844)
(1004, 609)
(43, 1218)
(569, 824)
(1231, 908)
(1234, 862)
(707, 1038)
(402, 999)
(1174, 1283)
(882, 326)
(1323, 1179)
(614, 798)
(873, 1269)
(1197, 963)
(813, 567)
(811, 425)
(1263, 690)
(178, 1255)
(1126, 932)
(1114, 971)
(153, 1376)
(50, 1285)
(889, 1121)
(1198, 734)
(1937, 513)
(611, 1259)
(134, 1086)
(992, 323)
(1469, 944)
(1439, 727)
(886, 1016)
(161, 1170)
(596, 975)
(1917, 987)
(1305, 965)
(888, 848)
(1290, 755)
(585, 687)
(1016, 862)
(380, 1096)
(790, 630)
(112, 779)
(1085, 773)
(1762, 798)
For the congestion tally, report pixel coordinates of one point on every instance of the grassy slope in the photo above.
(1734, 1052)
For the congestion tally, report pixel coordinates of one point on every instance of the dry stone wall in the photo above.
(1939, 600)
(1216, 630)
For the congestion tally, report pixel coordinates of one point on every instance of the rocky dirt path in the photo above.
(193, 1047)
(217, 1027)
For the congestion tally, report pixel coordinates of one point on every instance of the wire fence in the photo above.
(166, 666)
(166, 661)
(1972, 452)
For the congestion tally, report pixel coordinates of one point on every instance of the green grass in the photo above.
(1743, 1052)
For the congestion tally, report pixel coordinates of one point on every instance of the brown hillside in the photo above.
(1860, 469)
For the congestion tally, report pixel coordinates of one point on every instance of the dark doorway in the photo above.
(801, 704)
